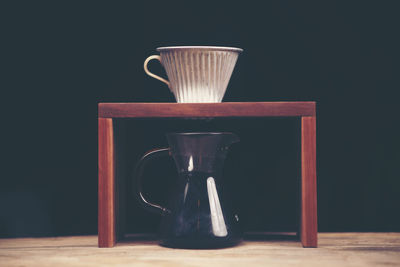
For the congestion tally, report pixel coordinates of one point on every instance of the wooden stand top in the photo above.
(201, 110)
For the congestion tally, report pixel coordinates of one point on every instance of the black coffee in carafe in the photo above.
(198, 215)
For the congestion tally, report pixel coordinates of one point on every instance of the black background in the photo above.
(59, 59)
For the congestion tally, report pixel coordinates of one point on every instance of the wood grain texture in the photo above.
(106, 186)
(308, 224)
(200, 110)
(335, 249)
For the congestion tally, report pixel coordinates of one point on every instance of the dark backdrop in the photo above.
(59, 59)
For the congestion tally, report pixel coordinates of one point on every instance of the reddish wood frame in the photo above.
(107, 226)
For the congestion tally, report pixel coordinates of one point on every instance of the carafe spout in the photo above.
(231, 138)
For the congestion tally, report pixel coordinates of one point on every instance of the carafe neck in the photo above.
(200, 152)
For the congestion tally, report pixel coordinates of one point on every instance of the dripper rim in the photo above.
(219, 48)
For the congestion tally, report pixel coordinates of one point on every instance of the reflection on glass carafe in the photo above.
(197, 215)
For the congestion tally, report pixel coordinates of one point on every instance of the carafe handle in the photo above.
(137, 180)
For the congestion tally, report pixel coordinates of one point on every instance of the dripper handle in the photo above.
(137, 180)
(152, 74)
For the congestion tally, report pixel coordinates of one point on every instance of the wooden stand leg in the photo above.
(106, 212)
(308, 228)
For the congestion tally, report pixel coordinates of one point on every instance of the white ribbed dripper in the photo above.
(197, 74)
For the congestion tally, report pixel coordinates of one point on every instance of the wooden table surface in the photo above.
(335, 249)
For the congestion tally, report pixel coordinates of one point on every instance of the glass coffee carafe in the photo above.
(197, 215)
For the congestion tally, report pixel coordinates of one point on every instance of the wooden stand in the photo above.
(107, 226)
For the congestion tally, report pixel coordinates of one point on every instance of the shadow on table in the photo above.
(150, 238)
(271, 236)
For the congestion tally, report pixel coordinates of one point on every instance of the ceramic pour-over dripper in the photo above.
(197, 74)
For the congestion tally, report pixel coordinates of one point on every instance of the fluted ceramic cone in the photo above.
(199, 74)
